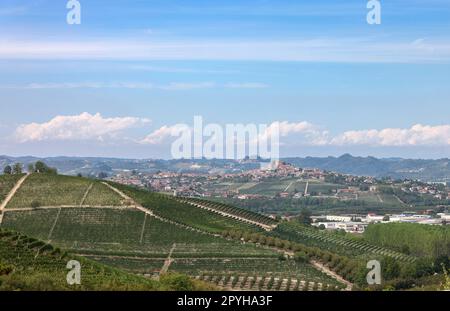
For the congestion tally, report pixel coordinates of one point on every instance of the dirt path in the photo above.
(379, 198)
(28, 209)
(150, 213)
(333, 274)
(86, 194)
(289, 186)
(11, 195)
(306, 188)
(143, 229)
(49, 238)
(168, 261)
(252, 222)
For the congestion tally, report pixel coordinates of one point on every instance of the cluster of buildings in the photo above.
(358, 223)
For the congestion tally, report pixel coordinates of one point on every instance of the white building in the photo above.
(338, 218)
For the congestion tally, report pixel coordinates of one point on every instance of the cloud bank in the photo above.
(95, 127)
(84, 126)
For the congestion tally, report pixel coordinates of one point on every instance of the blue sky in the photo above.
(163, 62)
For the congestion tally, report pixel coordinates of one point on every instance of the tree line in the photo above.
(38, 167)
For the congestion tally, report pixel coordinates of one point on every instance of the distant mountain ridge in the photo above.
(425, 170)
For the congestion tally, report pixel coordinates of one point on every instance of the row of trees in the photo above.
(398, 275)
(15, 169)
(416, 239)
(350, 269)
(38, 167)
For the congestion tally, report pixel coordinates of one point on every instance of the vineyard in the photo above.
(35, 265)
(101, 195)
(231, 210)
(50, 190)
(7, 182)
(92, 220)
(338, 244)
(248, 282)
(184, 213)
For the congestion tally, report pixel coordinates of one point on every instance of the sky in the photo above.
(117, 84)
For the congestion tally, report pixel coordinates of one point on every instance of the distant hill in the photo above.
(425, 170)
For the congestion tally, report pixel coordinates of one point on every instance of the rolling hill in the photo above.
(153, 235)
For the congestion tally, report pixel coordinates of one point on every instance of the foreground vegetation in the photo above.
(29, 264)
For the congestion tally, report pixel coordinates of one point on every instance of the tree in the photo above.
(7, 170)
(305, 216)
(41, 167)
(17, 168)
(102, 175)
(31, 168)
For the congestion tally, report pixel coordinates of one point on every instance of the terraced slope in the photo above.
(184, 213)
(7, 182)
(46, 190)
(226, 210)
(28, 264)
(148, 233)
(338, 244)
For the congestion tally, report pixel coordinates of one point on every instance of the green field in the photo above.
(121, 232)
(28, 264)
(50, 190)
(7, 182)
(184, 213)
(101, 195)
(353, 248)
(88, 219)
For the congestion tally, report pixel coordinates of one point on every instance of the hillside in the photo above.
(426, 170)
(423, 169)
(151, 234)
(29, 264)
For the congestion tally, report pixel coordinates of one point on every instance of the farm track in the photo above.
(379, 198)
(168, 260)
(53, 227)
(173, 258)
(11, 195)
(86, 194)
(333, 274)
(150, 213)
(242, 219)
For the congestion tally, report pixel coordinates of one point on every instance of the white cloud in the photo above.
(77, 127)
(308, 134)
(162, 134)
(417, 135)
(347, 50)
